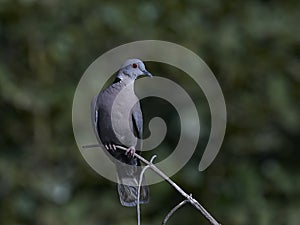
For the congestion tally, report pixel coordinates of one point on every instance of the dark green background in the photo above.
(252, 47)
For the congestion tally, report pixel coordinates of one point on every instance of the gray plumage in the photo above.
(113, 102)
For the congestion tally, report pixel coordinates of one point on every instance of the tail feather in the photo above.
(129, 194)
(128, 182)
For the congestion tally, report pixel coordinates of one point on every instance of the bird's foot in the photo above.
(110, 147)
(130, 152)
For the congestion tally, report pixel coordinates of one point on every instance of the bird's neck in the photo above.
(124, 83)
(128, 85)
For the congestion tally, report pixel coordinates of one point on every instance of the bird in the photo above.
(108, 110)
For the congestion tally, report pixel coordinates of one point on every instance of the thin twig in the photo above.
(139, 190)
(189, 198)
(91, 146)
(174, 210)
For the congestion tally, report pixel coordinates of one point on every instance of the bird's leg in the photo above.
(110, 147)
(130, 151)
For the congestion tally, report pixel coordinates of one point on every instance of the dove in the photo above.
(111, 126)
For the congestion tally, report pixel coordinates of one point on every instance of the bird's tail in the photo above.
(128, 181)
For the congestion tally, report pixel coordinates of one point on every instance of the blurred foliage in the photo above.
(253, 47)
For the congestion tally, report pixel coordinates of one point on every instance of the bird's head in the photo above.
(132, 69)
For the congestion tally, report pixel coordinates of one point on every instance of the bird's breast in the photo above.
(116, 108)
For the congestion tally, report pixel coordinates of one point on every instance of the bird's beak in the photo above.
(147, 73)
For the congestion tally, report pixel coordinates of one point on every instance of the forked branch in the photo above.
(188, 198)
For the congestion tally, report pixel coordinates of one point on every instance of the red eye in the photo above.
(134, 65)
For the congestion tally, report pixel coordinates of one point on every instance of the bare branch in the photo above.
(189, 198)
(139, 190)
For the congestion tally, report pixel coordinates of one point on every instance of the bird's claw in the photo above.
(130, 152)
(110, 147)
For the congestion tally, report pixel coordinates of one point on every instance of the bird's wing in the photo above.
(137, 118)
(95, 115)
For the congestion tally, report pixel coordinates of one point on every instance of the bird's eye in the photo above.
(134, 65)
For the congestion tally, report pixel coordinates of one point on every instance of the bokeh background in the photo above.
(253, 47)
